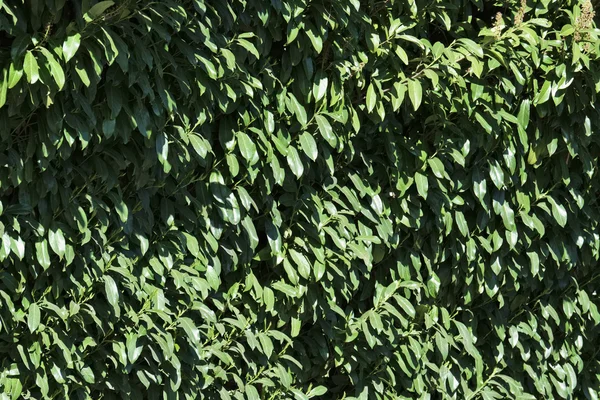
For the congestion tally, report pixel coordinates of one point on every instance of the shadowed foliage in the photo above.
(277, 199)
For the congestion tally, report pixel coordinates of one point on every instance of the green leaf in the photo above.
(247, 148)
(534, 262)
(371, 98)
(120, 206)
(3, 86)
(134, 351)
(309, 146)
(294, 161)
(57, 242)
(33, 317)
(31, 68)
(467, 339)
(41, 381)
(523, 116)
(302, 263)
(266, 344)
(251, 231)
(200, 145)
(249, 47)
(162, 150)
(473, 47)
(422, 184)
(209, 67)
(319, 270)
(401, 54)
(14, 75)
(317, 391)
(192, 244)
(70, 46)
(320, 86)
(42, 254)
(97, 10)
(251, 392)
(190, 329)
(285, 288)
(269, 299)
(87, 374)
(405, 305)
(497, 174)
(298, 110)
(112, 292)
(415, 93)
(461, 222)
(19, 45)
(479, 187)
(326, 130)
(558, 212)
(571, 376)
(544, 94)
(316, 39)
(483, 122)
(442, 345)
(508, 217)
(144, 243)
(437, 167)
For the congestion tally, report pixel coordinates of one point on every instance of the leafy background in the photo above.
(292, 199)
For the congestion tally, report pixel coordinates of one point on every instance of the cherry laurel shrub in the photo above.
(293, 199)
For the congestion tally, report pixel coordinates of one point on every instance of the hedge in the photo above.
(337, 199)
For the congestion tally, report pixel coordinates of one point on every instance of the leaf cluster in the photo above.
(299, 199)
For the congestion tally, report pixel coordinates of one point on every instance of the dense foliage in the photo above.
(295, 199)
